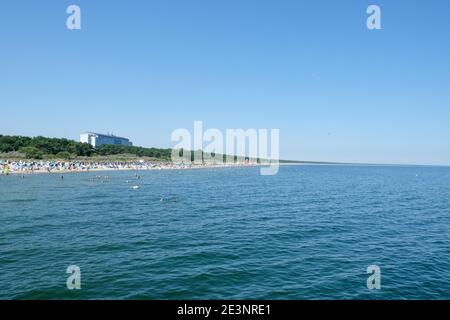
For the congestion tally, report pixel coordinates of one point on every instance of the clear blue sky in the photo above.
(336, 90)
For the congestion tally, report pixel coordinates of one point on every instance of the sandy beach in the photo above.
(63, 167)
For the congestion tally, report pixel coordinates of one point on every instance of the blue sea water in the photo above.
(309, 232)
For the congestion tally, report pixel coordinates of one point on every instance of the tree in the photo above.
(31, 152)
(64, 155)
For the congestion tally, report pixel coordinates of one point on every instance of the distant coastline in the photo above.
(60, 155)
(64, 167)
(23, 167)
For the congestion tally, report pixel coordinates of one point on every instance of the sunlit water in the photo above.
(309, 232)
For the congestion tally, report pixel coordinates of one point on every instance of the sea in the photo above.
(309, 232)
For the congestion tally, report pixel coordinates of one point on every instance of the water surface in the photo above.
(307, 233)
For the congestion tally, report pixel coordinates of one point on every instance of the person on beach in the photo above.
(6, 168)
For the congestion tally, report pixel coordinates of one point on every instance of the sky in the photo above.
(336, 90)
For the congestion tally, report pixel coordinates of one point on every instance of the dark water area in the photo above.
(309, 232)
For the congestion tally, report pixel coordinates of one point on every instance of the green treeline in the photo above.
(59, 148)
(45, 148)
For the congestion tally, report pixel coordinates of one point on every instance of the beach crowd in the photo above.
(22, 167)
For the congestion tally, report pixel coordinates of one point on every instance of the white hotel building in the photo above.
(97, 139)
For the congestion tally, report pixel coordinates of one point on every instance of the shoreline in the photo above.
(47, 167)
(29, 168)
